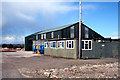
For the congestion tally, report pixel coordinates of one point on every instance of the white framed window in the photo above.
(41, 36)
(37, 37)
(44, 36)
(86, 44)
(58, 36)
(70, 44)
(46, 44)
(52, 34)
(53, 44)
(86, 33)
(60, 44)
(72, 32)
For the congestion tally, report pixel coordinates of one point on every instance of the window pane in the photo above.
(86, 32)
(54, 44)
(72, 44)
(58, 44)
(51, 44)
(86, 41)
(36, 37)
(72, 32)
(41, 36)
(82, 44)
(45, 44)
(62, 44)
(90, 44)
(86, 46)
(48, 44)
(52, 34)
(44, 36)
(67, 44)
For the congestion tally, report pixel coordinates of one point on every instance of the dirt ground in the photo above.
(27, 65)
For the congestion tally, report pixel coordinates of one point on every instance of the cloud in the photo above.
(28, 10)
(100, 0)
(13, 39)
(115, 33)
(59, 0)
(9, 39)
(25, 16)
(89, 7)
(40, 0)
(21, 18)
(0, 15)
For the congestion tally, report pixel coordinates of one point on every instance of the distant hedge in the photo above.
(13, 46)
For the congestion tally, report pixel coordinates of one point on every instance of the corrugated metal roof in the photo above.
(54, 29)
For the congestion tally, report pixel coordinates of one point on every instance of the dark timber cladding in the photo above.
(63, 42)
(28, 42)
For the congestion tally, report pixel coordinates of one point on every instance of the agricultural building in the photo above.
(64, 42)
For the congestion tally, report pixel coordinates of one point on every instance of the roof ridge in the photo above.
(49, 30)
(54, 29)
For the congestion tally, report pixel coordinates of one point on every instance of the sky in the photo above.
(20, 19)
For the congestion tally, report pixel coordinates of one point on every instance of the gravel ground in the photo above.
(109, 70)
(28, 65)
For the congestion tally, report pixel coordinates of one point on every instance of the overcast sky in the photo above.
(20, 19)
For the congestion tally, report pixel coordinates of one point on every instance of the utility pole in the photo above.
(79, 28)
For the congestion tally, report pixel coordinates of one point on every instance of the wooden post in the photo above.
(80, 29)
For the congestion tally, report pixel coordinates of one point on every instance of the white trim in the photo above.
(47, 45)
(52, 34)
(41, 36)
(62, 46)
(70, 43)
(44, 35)
(37, 37)
(88, 44)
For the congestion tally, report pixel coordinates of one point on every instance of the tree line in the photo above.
(13, 46)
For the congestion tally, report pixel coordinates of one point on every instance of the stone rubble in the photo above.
(86, 71)
(108, 70)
